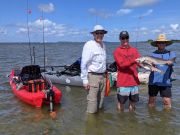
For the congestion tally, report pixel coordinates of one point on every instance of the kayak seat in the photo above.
(30, 72)
(112, 67)
(70, 72)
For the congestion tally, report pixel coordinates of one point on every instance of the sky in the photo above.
(73, 20)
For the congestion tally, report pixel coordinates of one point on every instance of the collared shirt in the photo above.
(93, 59)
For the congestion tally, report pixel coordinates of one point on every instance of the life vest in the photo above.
(36, 85)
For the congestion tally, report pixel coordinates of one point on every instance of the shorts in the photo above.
(123, 93)
(165, 91)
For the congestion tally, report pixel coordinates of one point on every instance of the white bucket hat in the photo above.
(98, 28)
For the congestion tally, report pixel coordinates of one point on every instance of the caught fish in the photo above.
(153, 60)
(149, 63)
(150, 67)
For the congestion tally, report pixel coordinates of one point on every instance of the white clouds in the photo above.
(47, 23)
(123, 11)
(46, 7)
(143, 29)
(120, 12)
(105, 15)
(156, 31)
(3, 31)
(174, 26)
(50, 28)
(101, 13)
(22, 30)
(138, 3)
(149, 12)
(171, 32)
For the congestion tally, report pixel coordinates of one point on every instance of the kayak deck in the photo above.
(34, 92)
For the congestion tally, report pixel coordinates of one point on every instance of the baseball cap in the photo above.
(124, 34)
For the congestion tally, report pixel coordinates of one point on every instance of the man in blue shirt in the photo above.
(160, 82)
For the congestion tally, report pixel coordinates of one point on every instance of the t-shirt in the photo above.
(162, 79)
(127, 67)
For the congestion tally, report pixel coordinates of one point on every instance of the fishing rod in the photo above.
(50, 92)
(43, 41)
(29, 41)
(138, 25)
(34, 55)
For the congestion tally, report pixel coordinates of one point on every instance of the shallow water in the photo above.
(17, 117)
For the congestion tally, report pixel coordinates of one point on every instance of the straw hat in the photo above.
(98, 28)
(161, 38)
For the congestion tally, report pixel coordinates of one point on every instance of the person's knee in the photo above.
(132, 106)
(151, 101)
(120, 106)
(167, 102)
(92, 107)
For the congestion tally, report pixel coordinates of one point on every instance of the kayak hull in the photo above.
(64, 79)
(36, 99)
(77, 81)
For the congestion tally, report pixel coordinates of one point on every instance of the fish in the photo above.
(150, 67)
(148, 63)
(152, 60)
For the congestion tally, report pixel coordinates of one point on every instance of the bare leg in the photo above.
(120, 106)
(152, 101)
(167, 103)
(132, 106)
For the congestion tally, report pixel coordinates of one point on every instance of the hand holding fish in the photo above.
(150, 67)
(169, 62)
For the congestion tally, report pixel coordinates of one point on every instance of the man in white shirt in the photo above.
(93, 68)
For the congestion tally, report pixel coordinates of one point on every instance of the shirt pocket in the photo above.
(99, 57)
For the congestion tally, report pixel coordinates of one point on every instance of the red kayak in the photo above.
(29, 86)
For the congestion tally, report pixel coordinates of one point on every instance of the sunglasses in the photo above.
(123, 38)
(99, 33)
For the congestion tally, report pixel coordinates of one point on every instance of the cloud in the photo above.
(141, 30)
(171, 31)
(138, 3)
(3, 31)
(105, 15)
(174, 26)
(50, 28)
(147, 13)
(100, 13)
(39, 23)
(156, 31)
(123, 11)
(22, 30)
(48, 8)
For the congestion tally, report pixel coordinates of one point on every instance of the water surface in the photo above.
(18, 118)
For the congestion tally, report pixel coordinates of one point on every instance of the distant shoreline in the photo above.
(69, 42)
(174, 41)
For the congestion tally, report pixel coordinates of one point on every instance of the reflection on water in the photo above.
(18, 118)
